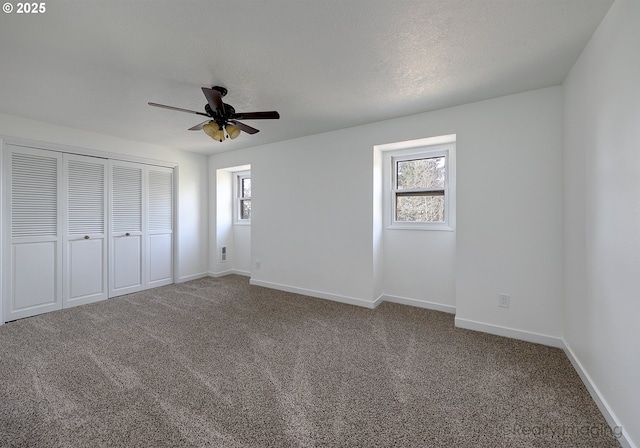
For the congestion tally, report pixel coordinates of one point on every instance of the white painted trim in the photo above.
(229, 272)
(221, 273)
(378, 301)
(188, 278)
(512, 333)
(86, 151)
(409, 144)
(597, 396)
(317, 294)
(175, 237)
(418, 303)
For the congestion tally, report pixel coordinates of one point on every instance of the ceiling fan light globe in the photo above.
(211, 130)
(232, 131)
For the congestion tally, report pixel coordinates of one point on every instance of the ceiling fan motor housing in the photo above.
(222, 120)
(222, 90)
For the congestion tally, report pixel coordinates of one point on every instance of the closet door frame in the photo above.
(36, 144)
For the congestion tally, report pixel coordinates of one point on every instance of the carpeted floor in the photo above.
(220, 363)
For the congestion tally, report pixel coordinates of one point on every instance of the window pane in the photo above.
(420, 208)
(420, 173)
(246, 187)
(245, 209)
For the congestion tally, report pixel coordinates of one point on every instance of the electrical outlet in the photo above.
(257, 264)
(503, 300)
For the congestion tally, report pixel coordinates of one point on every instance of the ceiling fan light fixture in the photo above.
(212, 129)
(232, 131)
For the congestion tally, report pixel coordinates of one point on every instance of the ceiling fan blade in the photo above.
(243, 127)
(266, 115)
(178, 109)
(214, 99)
(199, 127)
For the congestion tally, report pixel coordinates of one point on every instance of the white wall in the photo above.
(306, 231)
(418, 266)
(222, 223)
(602, 213)
(241, 261)
(236, 238)
(314, 204)
(192, 177)
(509, 216)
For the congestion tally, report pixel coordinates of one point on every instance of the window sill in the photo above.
(242, 223)
(442, 227)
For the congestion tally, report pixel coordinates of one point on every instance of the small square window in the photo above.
(420, 188)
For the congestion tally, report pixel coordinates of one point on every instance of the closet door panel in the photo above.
(87, 271)
(85, 257)
(33, 267)
(160, 260)
(33, 259)
(160, 226)
(127, 261)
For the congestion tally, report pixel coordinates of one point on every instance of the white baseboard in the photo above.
(188, 278)
(595, 393)
(312, 293)
(418, 303)
(522, 335)
(221, 273)
(229, 272)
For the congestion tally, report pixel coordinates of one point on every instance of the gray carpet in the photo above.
(217, 362)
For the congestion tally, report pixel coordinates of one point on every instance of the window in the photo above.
(419, 189)
(420, 184)
(243, 197)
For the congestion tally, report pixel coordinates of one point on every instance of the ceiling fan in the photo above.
(222, 117)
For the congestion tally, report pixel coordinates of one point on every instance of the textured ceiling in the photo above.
(323, 64)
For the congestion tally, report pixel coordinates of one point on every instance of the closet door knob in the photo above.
(86, 237)
(127, 234)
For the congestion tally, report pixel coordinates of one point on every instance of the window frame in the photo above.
(238, 177)
(416, 153)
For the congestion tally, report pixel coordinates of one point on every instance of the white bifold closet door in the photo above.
(141, 231)
(160, 226)
(79, 229)
(33, 250)
(127, 264)
(85, 230)
(57, 229)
